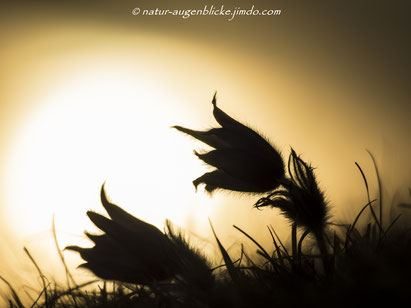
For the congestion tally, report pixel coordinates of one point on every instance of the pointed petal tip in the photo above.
(177, 127)
(90, 212)
(210, 189)
(72, 248)
(214, 101)
(185, 130)
(197, 154)
(103, 191)
(103, 195)
(92, 237)
(195, 183)
(293, 152)
(200, 155)
(84, 266)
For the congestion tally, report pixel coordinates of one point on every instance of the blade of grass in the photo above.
(264, 252)
(287, 255)
(368, 194)
(391, 225)
(351, 228)
(223, 265)
(277, 249)
(232, 271)
(14, 294)
(241, 255)
(249, 260)
(71, 290)
(379, 192)
(37, 299)
(46, 297)
(63, 261)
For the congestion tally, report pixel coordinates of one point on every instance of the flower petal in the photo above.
(233, 134)
(115, 261)
(221, 117)
(219, 179)
(125, 219)
(152, 249)
(129, 255)
(246, 167)
(301, 173)
(210, 137)
(106, 245)
(240, 136)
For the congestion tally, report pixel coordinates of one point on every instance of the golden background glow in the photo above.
(88, 93)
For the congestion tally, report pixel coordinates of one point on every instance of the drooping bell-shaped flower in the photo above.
(244, 160)
(130, 250)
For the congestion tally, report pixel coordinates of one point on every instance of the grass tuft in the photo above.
(338, 266)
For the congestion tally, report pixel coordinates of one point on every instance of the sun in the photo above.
(99, 127)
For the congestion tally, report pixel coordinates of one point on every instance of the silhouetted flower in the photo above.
(301, 200)
(130, 250)
(244, 160)
(303, 203)
(306, 195)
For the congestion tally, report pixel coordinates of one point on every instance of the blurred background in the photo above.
(88, 93)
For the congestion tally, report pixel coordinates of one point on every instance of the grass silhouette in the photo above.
(325, 265)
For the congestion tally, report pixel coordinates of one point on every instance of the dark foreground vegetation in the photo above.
(363, 262)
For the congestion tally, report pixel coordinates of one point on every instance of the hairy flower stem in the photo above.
(294, 242)
(322, 246)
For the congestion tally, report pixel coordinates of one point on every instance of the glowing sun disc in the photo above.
(92, 129)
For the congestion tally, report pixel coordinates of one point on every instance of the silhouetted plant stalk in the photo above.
(246, 162)
(302, 202)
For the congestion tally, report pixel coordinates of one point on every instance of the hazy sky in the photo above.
(88, 92)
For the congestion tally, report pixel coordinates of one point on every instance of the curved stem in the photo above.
(322, 246)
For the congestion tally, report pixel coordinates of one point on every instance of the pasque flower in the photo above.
(244, 160)
(306, 195)
(130, 250)
(303, 203)
(301, 200)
